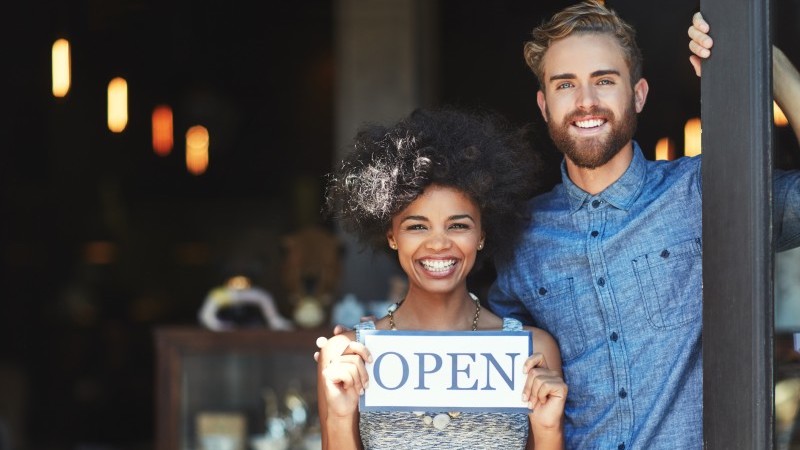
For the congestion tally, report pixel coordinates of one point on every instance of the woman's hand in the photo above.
(337, 330)
(546, 392)
(342, 374)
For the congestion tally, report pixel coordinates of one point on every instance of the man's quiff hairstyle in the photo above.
(586, 17)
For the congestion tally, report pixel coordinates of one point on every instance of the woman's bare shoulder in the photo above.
(489, 321)
(544, 343)
(539, 335)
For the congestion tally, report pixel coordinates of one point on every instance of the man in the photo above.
(611, 262)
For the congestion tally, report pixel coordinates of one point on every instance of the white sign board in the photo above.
(453, 371)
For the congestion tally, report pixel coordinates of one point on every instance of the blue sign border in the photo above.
(437, 409)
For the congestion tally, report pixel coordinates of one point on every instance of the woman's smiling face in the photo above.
(437, 238)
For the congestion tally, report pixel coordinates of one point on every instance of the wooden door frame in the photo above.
(738, 251)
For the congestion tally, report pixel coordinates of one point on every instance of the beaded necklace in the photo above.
(393, 307)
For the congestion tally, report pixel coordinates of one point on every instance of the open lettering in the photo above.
(446, 370)
(463, 371)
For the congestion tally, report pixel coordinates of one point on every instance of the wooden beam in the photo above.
(738, 254)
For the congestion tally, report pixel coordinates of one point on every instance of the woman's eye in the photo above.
(460, 226)
(416, 226)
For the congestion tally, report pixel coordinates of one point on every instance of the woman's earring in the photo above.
(393, 246)
(480, 245)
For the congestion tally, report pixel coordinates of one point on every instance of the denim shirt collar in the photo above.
(620, 194)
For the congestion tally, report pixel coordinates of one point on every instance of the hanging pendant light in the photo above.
(665, 149)
(162, 130)
(117, 104)
(61, 67)
(692, 137)
(197, 150)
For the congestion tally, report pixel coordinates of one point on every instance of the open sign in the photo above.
(453, 370)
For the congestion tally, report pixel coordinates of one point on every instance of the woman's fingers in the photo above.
(343, 362)
(357, 348)
(339, 329)
(334, 346)
(348, 372)
(322, 341)
(342, 384)
(535, 360)
(354, 364)
(541, 381)
(542, 384)
(356, 353)
(547, 386)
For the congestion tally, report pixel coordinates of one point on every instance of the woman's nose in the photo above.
(439, 241)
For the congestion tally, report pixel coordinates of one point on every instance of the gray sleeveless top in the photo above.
(400, 430)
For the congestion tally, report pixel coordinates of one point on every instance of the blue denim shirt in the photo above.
(616, 278)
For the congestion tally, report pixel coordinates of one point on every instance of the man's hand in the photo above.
(785, 77)
(700, 42)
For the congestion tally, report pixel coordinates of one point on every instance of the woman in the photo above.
(440, 189)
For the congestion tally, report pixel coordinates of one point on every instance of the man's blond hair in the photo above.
(589, 16)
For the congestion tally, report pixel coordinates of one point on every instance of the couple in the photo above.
(607, 267)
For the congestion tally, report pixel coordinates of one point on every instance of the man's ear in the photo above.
(542, 104)
(640, 90)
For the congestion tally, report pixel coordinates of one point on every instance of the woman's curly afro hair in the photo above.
(478, 153)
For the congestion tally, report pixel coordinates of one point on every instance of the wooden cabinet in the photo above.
(245, 374)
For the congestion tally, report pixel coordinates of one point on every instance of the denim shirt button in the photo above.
(601, 281)
(622, 393)
(542, 291)
(621, 446)
(614, 336)
(596, 203)
(595, 233)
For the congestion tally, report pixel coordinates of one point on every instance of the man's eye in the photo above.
(605, 82)
(563, 85)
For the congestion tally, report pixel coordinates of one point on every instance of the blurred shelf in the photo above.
(205, 372)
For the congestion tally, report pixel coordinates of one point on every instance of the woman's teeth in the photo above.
(438, 265)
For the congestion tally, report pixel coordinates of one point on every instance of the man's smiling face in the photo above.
(587, 99)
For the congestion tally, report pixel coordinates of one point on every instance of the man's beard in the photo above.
(591, 153)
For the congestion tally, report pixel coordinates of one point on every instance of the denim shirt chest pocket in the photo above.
(670, 281)
(554, 309)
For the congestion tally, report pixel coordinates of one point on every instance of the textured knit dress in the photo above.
(401, 430)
